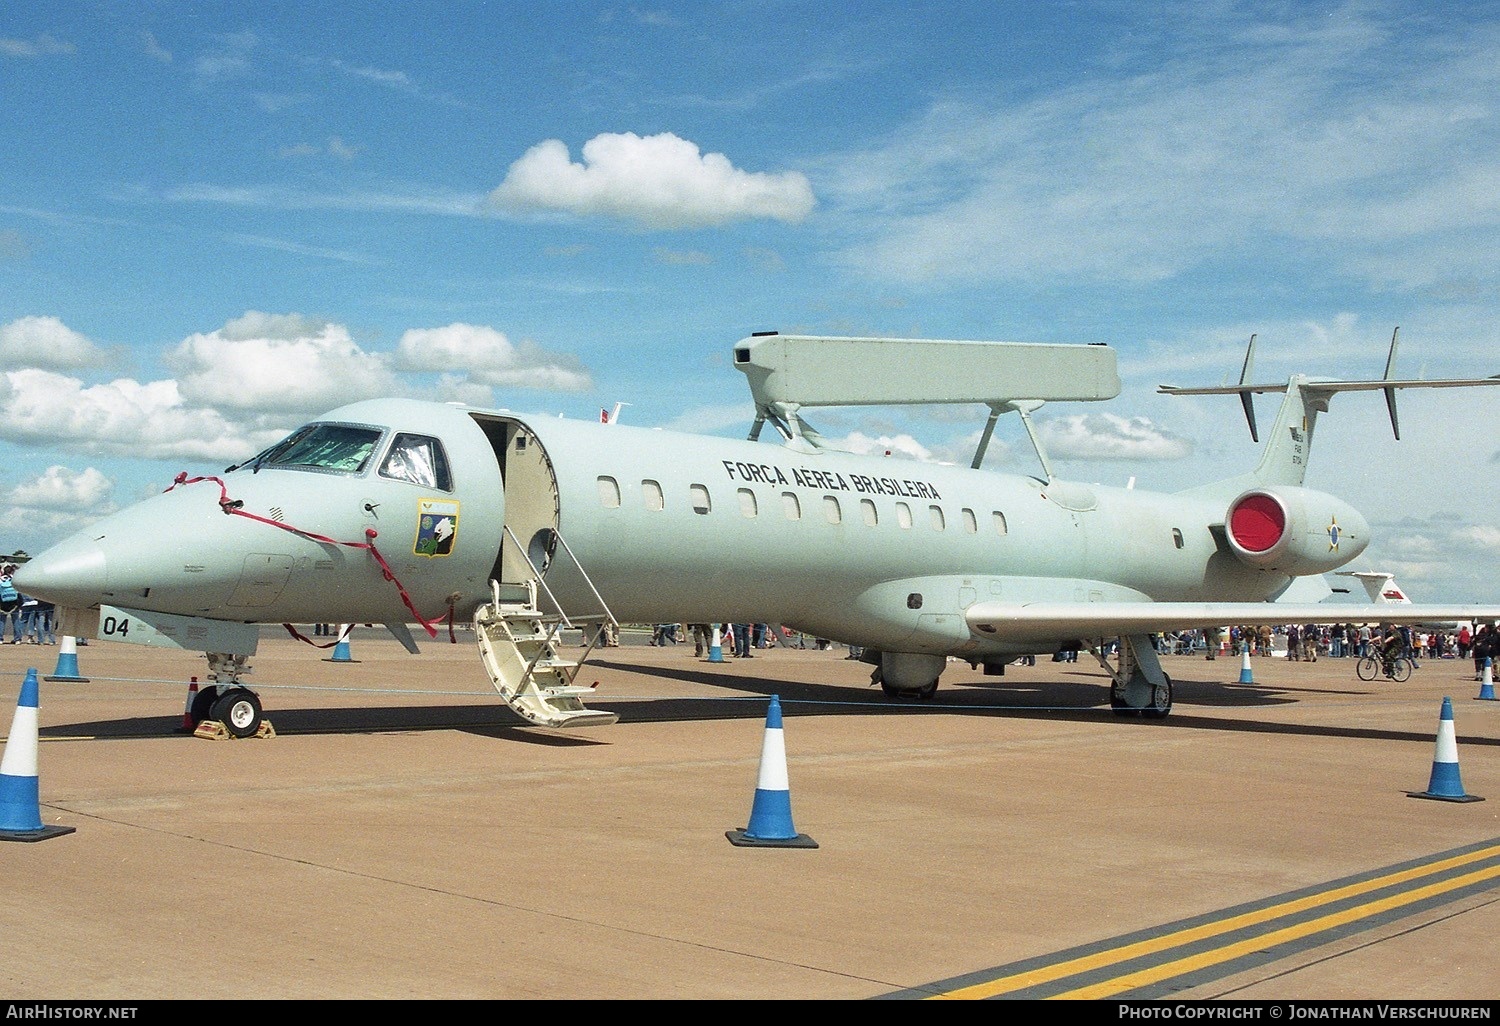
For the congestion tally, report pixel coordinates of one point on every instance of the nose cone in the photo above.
(69, 574)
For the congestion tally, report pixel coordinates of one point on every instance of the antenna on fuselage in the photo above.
(788, 373)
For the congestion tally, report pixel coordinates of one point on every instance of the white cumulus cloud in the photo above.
(1108, 436)
(47, 343)
(488, 357)
(661, 181)
(121, 417)
(278, 362)
(902, 445)
(63, 490)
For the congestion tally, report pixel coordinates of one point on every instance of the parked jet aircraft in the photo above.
(398, 512)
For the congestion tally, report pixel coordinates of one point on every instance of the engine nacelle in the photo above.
(1294, 531)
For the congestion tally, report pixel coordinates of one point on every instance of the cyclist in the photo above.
(1392, 645)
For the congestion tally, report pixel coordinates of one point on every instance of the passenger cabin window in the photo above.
(903, 515)
(790, 506)
(971, 525)
(935, 514)
(651, 495)
(609, 493)
(1000, 526)
(701, 503)
(748, 506)
(1177, 537)
(418, 460)
(343, 448)
(868, 513)
(831, 511)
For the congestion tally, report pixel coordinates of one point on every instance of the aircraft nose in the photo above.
(71, 574)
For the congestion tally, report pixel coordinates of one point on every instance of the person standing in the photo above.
(10, 605)
(46, 617)
(1310, 636)
(27, 633)
(1484, 646)
(702, 638)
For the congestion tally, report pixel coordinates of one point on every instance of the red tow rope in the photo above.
(235, 507)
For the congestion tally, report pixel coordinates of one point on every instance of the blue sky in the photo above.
(218, 220)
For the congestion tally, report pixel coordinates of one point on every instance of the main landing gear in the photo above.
(1138, 685)
(907, 676)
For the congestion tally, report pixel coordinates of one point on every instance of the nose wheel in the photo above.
(228, 701)
(239, 710)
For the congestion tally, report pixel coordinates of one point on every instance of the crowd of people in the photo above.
(1311, 641)
(1296, 642)
(736, 640)
(27, 618)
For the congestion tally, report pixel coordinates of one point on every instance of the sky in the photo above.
(219, 220)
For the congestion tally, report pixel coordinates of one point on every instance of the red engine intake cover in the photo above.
(1257, 522)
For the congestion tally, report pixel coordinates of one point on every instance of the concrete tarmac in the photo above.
(406, 836)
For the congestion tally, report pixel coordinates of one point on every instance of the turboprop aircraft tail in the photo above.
(1284, 461)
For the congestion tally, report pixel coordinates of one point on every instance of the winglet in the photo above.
(1245, 399)
(1390, 393)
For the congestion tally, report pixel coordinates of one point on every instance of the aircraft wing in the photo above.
(1049, 621)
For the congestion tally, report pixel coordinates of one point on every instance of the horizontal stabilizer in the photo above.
(1316, 392)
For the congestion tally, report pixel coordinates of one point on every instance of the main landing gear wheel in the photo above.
(239, 710)
(1139, 697)
(908, 676)
(922, 694)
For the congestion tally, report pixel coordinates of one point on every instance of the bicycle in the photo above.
(1397, 669)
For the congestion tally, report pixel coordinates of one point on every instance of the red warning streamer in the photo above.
(235, 507)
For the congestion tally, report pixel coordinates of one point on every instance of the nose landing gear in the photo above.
(228, 702)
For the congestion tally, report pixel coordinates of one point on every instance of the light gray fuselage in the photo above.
(878, 552)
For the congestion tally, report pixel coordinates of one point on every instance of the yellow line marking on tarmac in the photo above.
(1114, 956)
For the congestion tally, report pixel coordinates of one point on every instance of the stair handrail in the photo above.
(537, 578)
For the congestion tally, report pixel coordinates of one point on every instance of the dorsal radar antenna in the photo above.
(788, 373)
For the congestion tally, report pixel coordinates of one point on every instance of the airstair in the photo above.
(520, 645)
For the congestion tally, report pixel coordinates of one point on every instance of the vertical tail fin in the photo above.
(1381, 587)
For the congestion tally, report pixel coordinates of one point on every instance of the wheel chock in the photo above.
(211, 730)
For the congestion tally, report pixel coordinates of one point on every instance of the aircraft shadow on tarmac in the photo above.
(1067, 696)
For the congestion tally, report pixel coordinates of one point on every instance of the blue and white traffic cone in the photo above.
(341, 650)
(20, 796)
(716, 647)
(771, 814)
(1246, 677)
(1444, 784)
(67, 661)
(1487, 687)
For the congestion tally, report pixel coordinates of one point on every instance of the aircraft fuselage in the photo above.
(878, 552)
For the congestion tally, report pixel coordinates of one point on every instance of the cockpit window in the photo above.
(417, 459)
(340, 447)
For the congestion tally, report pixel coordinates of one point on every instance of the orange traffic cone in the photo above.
(188, 726)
